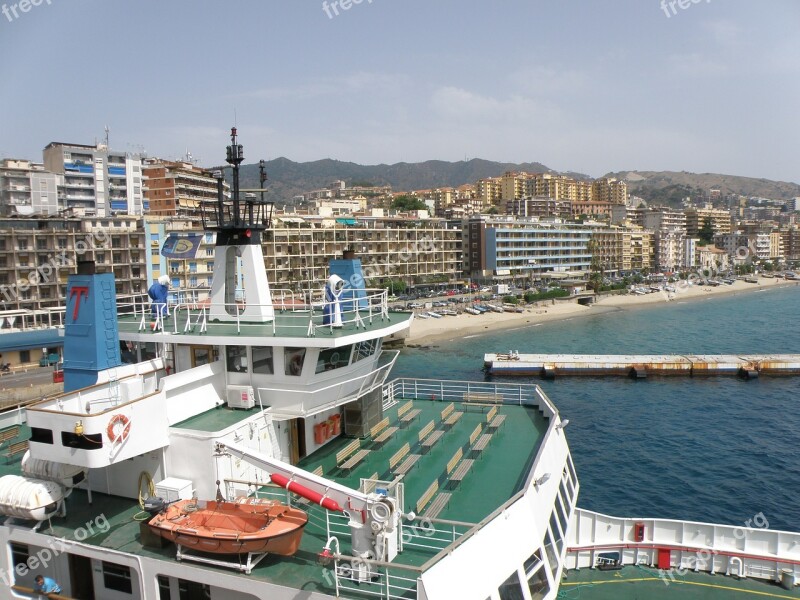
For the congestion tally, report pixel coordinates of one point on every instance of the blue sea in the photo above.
(715, 449)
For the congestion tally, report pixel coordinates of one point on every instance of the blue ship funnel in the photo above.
(349, 269)
(91, 338)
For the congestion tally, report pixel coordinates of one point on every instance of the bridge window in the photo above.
(236, 359)
(365, 349)
(333, 358)
(511, 588)
(262, 360)
(293, 359)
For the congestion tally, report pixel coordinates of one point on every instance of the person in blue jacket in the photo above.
(158, 295)
(45, 585)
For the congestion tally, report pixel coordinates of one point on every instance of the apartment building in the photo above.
(489, 190)
(27, 189)
(543, 207)
(178, 189)
(744, 247)
(525, 248)
(622, 250)
(696, 218)
(97, 181)
(790, 242)
(609, 190)
(417, 251)
(36, 255)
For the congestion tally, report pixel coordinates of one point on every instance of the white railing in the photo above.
(301, 318)
(750, 549)
(369, 382)
(460, 391)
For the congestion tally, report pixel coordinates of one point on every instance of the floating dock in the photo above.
(640, 366)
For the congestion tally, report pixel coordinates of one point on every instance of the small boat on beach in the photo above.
(241, 526)
(472, 311)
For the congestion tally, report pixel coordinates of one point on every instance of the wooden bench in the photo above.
(9, 434)
(461, 471)
(497, 422)
(490, 415)
(351, 462)
(385, 435)
(342, 454)
(16, 448)
(401, 410)
(410, 416)
(453, 418)
(318, 471)
(380, 426)
(447, 410)
(482, 442)
(451, 464)
(431, 440)
(427, 496)
(423, 433)
(407, 464)
(483, 398)
(399, 455)
(437, 505)
(474, 435)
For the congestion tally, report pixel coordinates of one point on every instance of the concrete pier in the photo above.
(641, 366)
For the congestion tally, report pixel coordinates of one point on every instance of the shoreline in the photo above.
(448, 329)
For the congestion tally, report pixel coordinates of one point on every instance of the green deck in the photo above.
(507, 461)
(287, 324)
(651, 584)
(217, 419)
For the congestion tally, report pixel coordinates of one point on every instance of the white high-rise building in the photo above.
(97, 181)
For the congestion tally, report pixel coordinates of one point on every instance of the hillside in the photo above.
(288, 178)
(670, 187)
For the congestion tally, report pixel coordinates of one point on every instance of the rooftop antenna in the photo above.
(107, 130)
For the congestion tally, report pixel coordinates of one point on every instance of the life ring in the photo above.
(112, 426)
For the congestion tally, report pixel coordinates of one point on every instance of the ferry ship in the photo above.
(253, 446)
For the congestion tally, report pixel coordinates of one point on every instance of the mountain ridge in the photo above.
(287, 178)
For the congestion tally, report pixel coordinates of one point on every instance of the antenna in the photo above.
(107, 130)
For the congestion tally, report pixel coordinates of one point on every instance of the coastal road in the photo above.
(34, 376)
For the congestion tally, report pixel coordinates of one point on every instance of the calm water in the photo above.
(712, 449)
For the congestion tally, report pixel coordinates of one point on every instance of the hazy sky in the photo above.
(591, 86)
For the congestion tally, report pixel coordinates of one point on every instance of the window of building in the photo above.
(293, 359)
(333, 358)
(511, 588)
(262, 360)
(117, 577)
(236, 359)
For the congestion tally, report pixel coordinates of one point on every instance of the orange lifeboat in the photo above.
(237, 527)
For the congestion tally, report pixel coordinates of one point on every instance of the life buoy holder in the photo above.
(122, 434)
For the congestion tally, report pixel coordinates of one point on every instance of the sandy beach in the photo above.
(427, 331)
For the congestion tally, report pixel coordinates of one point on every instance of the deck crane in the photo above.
(374, 519)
